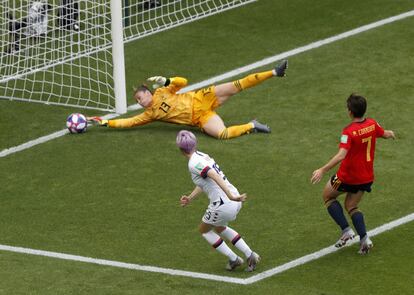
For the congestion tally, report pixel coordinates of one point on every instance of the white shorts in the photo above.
(222, 214)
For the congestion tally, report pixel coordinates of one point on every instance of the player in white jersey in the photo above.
(225, 202)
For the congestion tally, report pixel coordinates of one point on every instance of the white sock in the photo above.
(221, 246)
(231, 235)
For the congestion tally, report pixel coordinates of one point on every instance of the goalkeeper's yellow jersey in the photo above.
(167, 106)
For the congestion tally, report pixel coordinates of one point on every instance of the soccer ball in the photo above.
(76, 123)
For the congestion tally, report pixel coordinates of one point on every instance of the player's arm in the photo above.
(185, 200)
(380, 132)
(388, 134)
(137, 120)
(220, 182)
(174, 83)
(318, 173)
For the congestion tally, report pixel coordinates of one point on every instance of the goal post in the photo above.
(71, 52)
(57, 52)
(118, 57)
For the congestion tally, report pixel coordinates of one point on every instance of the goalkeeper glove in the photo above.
(99, 120)
(159, 81)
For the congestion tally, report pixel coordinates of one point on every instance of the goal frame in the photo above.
(121, 33)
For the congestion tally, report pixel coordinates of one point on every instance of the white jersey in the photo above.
(199, 164)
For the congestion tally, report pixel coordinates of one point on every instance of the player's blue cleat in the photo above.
(231, 265)
(347, 236)
(259, 127)
(252, 261)
(281, 68)
(365, 245)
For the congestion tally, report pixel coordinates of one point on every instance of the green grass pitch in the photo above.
(113, 194)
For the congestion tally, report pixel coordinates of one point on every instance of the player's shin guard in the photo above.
(235, 131)
(358, 222)
(252, 80)
(231, 235)
(337, 214)
(218, 244)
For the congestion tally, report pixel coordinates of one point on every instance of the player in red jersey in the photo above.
(356, 172)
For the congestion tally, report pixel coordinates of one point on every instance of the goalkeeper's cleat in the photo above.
(252, 262)
(231, 265)
(259, 127)
(280, 69)
(365, 245)
(347, 236)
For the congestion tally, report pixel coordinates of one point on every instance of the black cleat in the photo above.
(259, 127)
(281, 68)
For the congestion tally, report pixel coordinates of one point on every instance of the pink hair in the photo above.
(186, 141)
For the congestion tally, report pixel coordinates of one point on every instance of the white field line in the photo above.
(235, 72)
(325, 251)
(206, 276)
(170, 271)
(32, 143)
(313, 45)
(42, 139)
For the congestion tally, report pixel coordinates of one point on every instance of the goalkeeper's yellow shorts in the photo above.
(204, 103)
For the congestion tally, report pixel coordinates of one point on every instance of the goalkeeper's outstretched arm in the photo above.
(174, 83)
(137, 120)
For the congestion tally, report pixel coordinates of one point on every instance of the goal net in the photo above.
(70, 52)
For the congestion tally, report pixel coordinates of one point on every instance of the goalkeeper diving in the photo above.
(193, 108)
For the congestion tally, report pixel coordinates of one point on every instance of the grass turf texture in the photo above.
(245, 35)
(344, 269)
(114, 194)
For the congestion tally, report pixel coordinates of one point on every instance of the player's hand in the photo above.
(390, 134)
(159, 81)
(185, 200)
(98, 120)
(240, 198)
(317, 176)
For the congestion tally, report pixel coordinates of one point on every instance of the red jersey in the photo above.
(359, 139)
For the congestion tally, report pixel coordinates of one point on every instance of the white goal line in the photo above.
(233, 73)
(197, 275)
(310, 46)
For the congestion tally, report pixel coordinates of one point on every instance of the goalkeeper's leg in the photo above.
(226, 90)
(215, 127)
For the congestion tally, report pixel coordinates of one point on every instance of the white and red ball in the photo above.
(76, 123)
